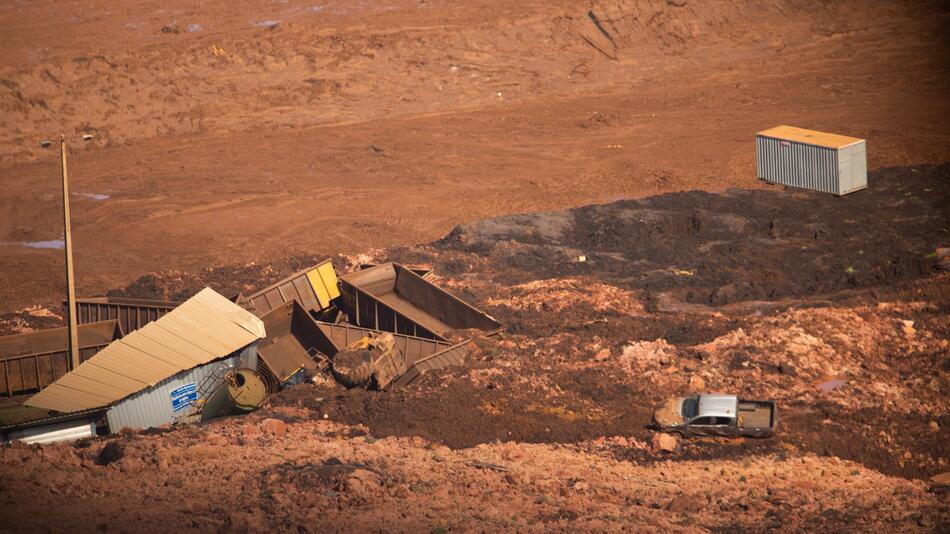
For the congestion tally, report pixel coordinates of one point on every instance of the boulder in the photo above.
(274, 427)
(697, 384)
(663, 442)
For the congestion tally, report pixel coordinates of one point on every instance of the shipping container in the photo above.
(29, 362)
(131, 314)
(314, 288)
(808, 159)
(392, 298)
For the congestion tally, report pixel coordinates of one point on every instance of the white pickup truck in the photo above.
(711, 414)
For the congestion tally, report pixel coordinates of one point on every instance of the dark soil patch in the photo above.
(463, 415)
(616, 328)
(331, 474)
(856, 435)
(112, 452)
(741, 245)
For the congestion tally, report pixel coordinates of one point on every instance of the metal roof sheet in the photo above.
(202, 329)
(810, 137)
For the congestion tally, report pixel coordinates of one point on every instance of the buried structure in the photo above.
(131, 314)
(395, 330)
(210, 356)
(393, 298)
(297, 344)
(29, 362)
(164, 372)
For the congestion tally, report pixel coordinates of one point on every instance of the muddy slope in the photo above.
(769, 293)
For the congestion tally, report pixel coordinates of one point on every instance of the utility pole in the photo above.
(70, 283)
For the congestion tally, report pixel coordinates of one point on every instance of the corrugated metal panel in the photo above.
(54, 432)
(152, 407)
(312, 288)
(131, 314)
(793, 163)
(33, 361)
(810, 137)
(203, 329)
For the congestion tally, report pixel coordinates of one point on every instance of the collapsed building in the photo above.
(160, 373)
(383, 326)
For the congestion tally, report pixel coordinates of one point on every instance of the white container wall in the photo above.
(813, 160)
(157, 405)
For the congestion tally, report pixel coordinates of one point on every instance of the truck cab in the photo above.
(713, 414)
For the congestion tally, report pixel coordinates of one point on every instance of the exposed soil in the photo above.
(229, 140)
(858, 365)
(235, 143)
(716, 249)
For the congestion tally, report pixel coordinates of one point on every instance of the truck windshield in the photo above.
(690, 407)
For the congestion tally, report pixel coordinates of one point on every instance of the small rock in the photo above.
(363, 484)
(515, 478)
(696, 383)
(665, 442)
(943, 479)
(908, 328)
(400, 491)
(602, 355)
(216, 439)
(935, 426)
(686, 503)
(274, 427)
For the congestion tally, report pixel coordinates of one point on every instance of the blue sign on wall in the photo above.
(183, 396)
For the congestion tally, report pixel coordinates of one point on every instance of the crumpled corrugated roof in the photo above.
(204, 328)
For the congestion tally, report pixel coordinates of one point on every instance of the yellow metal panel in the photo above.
(328, 275)
(323, 281)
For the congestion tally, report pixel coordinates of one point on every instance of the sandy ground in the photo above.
(252, 132)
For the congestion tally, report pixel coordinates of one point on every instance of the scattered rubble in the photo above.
(547, 424)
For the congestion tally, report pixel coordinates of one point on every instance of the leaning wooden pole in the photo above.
(70, 283)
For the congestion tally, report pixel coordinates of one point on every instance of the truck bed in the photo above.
(756, 414)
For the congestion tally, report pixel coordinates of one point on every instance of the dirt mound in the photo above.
(309, 478)
(709, 249)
